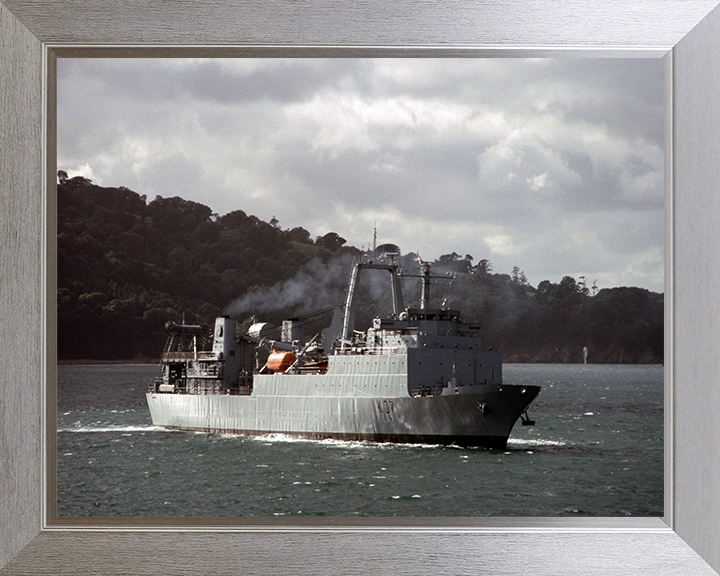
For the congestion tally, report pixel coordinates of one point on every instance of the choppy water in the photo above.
(596, 450)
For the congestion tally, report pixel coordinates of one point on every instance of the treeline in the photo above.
(554, 322)
(125, 266)
(550, 323)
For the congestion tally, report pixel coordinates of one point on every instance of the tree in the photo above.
(299, 235)
(518, 276)
(388, 249)
(332, 241)
(569, 287)
(446, 258)
(483, 267)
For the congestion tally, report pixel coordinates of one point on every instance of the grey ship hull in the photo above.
(419, 376)
(479, 415)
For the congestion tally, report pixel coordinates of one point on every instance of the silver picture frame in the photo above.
(686, 33)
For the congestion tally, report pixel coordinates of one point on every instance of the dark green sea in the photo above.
(596, 450)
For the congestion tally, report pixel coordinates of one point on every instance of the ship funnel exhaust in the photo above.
(293, 331)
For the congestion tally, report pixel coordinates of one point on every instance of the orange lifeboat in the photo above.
(280, 361)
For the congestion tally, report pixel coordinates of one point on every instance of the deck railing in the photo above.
(188, 355)
(361, 350)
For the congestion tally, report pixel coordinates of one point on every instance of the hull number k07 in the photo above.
(385, 406)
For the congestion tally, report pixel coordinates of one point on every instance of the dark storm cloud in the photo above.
(210, 80)
(552, 165)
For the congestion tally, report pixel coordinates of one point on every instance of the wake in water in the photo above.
(113, 429)
(520, 444)
(513, 444)
(284, 438)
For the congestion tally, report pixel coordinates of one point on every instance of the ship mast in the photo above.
(425, 286)
(351, 300)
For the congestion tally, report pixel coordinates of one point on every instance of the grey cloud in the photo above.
(519, 148)
(209, 81)
(177, 173)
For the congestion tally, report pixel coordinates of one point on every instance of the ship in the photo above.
(418, 376)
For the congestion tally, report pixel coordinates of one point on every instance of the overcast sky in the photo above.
(551, 165)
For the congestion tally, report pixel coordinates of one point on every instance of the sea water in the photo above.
(596, 450)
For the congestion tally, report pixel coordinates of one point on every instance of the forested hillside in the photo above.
(125, 266)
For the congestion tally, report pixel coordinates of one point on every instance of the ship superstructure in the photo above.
(418, 376)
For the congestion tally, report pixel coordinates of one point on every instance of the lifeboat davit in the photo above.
(280, 361)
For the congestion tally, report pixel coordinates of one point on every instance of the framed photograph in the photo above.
(530, 161)
(34, 541)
